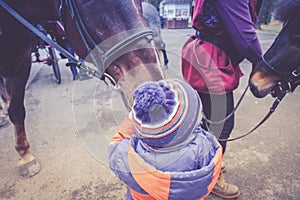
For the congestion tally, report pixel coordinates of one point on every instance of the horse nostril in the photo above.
(251, 85)
(254, 89)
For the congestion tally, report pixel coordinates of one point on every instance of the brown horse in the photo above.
(105, 24)
(281, 63)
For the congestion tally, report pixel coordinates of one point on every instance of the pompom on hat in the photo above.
(165, 113)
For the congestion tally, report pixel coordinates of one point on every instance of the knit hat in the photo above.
(165, 113)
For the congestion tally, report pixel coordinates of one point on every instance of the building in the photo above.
(175, 13)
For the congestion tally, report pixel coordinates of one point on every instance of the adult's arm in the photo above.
(237, 20)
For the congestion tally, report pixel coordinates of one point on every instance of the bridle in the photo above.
(100, 58)
(287, 83)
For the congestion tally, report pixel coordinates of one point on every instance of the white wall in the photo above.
(176, 11)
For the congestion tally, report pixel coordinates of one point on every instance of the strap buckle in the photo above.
(296, 73)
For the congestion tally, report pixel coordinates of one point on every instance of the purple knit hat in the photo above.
(165, 113)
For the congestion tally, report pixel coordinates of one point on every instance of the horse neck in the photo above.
(36, 11)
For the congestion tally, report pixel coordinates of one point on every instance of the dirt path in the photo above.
(70, 125)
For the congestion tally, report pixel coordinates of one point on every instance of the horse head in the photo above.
(114, 32)
(110, 34)
(281, 62)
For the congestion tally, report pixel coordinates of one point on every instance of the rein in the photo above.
(271, 111)
(288, 84)
(101, 60)
(230, 114)
(278, 99)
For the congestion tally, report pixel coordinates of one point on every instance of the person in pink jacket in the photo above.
(225, 36)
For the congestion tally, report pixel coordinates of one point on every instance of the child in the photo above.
(160, 150)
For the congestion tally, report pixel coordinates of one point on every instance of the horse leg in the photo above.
(166, 60)
(162, 47)
(27, 165)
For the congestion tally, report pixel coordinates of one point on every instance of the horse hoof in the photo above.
(3, 120)
(29, 169)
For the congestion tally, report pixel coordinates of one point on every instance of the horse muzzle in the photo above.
(261, 85)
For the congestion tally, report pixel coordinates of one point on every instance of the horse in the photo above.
(279, 67)
(152, 19)
(110, 31)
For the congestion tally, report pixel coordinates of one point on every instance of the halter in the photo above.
(289, 82)
(88, 39)
(270, 68)
(100, 58)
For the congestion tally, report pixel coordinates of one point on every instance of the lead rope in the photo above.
(41, 35)
(75, 14)
(36, 31)
(271, 111)
(228, 116)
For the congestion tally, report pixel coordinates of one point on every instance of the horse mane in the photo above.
(286, 9)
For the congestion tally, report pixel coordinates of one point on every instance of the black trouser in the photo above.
(216, 108)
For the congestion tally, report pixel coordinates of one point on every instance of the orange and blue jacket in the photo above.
(189, 172)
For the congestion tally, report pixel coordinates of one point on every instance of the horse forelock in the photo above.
(286, 9)
(112, 17)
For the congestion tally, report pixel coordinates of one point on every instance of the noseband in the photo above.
(288, 82)
(100, 58)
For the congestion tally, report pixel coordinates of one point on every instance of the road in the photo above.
(69, 126)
